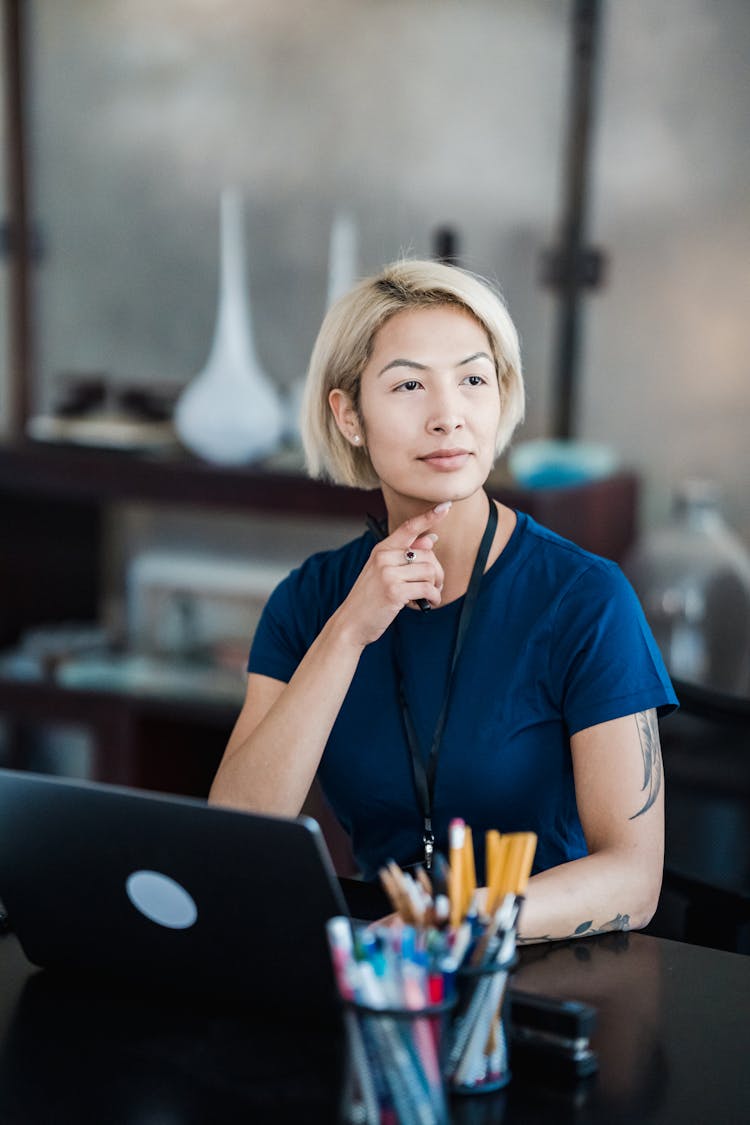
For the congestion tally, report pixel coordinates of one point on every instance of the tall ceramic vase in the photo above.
(231, 413)
(342, 274)
(342, 257)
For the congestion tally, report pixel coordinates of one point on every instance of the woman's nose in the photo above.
(446, 414)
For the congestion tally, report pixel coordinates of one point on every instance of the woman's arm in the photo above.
(279, 737)
(618, 780)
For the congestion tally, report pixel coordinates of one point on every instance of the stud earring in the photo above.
(355, 439)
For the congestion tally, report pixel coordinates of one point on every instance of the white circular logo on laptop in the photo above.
(161, 899)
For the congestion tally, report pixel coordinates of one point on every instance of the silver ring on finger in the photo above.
(410, 555)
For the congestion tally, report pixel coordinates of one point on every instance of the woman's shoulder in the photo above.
(303, 601)
(563, 560)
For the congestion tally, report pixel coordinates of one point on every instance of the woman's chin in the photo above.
(429, 493)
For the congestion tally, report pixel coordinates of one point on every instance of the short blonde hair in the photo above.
(345, 343)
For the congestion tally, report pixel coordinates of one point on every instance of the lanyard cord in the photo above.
(424, 777)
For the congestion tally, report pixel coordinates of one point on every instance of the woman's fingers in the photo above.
(427, 541)
(411, 546)
(416, 527)
(409, 556)
(410, 566)
(402, 568)
(410, 574)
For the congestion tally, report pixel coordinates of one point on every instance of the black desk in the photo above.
(674, 1027)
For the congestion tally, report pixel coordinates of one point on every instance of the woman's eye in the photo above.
(409, 385)
(474, 380)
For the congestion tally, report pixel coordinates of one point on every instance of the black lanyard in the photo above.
(424, 776)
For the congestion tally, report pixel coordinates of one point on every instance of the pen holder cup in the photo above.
(396, 1063)
(476, 1057)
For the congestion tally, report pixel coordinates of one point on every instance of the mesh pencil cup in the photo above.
(397, 1063)
(477, 1048)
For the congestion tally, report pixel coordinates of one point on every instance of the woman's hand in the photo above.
(401, 569)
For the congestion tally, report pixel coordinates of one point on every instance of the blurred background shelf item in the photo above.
(42, 648)
(105, 430)
(196, 607)
(559, 463)
(153, 677)
(692, 575)
(231, 412)
(95, 409)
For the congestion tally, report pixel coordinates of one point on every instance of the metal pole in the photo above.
(17, 229)
(577, 269)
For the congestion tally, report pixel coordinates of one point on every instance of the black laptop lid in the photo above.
(167, 889)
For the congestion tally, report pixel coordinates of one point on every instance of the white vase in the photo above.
(231, 413)
(342, 257)
(342, 274)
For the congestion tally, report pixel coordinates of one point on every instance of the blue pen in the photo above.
(408, 942)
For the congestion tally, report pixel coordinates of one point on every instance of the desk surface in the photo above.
(673, 1030)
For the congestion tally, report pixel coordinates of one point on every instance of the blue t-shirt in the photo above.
(558, 642)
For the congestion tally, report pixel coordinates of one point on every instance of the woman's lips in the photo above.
(447, 460)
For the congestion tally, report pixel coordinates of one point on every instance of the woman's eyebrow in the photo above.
(423, 367)
(477, 355)
(403, 363)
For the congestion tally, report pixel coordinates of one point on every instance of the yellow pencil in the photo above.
(492, 846)
(500, 883)
(456, 873)
(470, 874)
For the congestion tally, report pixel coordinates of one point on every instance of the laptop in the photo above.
(165, 889)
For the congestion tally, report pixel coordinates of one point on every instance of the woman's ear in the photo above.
(346, 416)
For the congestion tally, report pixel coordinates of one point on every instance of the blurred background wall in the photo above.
(408, 114)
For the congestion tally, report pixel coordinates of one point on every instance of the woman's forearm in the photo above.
(609, 890)
(269, 767)
(616, 886)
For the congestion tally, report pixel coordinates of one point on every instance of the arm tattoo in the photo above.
(586, 929)
(648, 734)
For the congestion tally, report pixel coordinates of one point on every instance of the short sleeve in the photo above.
(300, 606)
(604, 661)
(279, 643)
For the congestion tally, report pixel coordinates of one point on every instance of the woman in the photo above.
(547, 721)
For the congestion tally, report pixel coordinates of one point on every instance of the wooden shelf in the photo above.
(76, 473)
(47, 701)
(600, 516)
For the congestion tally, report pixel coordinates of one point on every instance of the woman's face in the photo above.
(430, 405)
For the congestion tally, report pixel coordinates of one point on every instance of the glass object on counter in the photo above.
(693, 578)
(43, 648)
